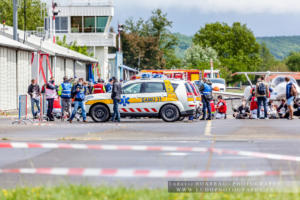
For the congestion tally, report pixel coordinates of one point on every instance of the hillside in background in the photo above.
(280, 46)
(184, 42)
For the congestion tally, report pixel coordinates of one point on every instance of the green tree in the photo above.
(34, 17)
(268, 60)
(199, 57)
(149, 43)
(236, 47)
(73, 46)
(293, 61)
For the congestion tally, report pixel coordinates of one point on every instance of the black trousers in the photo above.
(50, 109)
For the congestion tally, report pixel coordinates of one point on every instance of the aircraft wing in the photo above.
(230, 94)
(263, 73)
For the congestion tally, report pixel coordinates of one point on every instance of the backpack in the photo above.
(294, 91)
(261, 90)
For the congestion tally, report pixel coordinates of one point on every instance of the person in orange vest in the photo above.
(99, 87)
(221, 108)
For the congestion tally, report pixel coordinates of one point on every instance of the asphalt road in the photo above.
(267, 136)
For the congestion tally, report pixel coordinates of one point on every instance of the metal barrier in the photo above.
(22, 111)
(43, 107)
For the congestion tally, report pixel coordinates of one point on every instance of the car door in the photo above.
(153, 96)
(129, 98)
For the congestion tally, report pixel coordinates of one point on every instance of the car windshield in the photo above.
(216, 80)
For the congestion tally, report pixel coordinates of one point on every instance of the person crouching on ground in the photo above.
(116, 97)
(272, 111)
(79, 92)
(282, 109)
(243, 112)
(297, 108)
(253, 108)
(221, 108)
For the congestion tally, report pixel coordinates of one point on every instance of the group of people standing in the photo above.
(71, 91)
(260, 96)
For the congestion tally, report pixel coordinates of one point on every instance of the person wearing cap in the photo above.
(99, 88)
(64, 91)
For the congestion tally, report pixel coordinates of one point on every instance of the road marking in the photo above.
(112, 147)
(207, 131)
(175, 154)
(147, 173)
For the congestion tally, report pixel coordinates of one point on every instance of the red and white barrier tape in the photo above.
(24, 145)
(142, 173)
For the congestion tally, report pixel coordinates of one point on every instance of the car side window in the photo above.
(154, 87)
(174, 85)
(133, 88)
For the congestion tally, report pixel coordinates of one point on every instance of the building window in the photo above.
(61, 24)
(76, 24)
(89, 24)
(101, 24)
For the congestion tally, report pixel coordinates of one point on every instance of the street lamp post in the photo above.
(120, 29)
(15, 19)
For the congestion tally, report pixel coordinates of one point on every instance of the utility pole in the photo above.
(120, 29)
(211, 68)
(24, 21)
(15, 19)
(54, 13)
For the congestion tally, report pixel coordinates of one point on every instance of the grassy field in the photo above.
(235, 91)
(73, 192)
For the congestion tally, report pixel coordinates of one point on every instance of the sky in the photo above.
(263, 17)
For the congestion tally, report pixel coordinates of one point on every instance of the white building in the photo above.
(19, 63)
(15, 71)
(87, 22)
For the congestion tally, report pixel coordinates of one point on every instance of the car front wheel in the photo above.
(99, 113)
(170, 113)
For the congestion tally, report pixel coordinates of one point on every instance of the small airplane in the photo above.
(277, 84)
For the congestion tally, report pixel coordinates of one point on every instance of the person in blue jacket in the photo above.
(206, 95)
(79, 92)
(64, 91)
(291, 93)
(108, 86)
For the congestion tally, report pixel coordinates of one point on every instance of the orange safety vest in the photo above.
(99, 88)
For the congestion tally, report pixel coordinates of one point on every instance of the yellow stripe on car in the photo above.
(169, 86)
(190, 99)
(105, 101)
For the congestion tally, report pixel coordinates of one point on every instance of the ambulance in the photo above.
(156, 98)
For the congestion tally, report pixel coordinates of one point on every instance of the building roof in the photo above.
(86, 3)
(128, 68)
(48, 47)
(7, 42)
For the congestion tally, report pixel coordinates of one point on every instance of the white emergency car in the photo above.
(166, 99)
